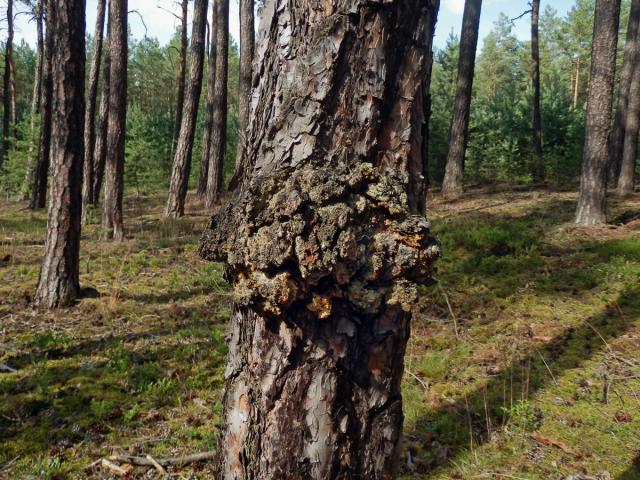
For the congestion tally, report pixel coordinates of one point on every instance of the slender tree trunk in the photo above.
(593, 183)
(35, 101)
(39, 191)
(629, 64)
(182, 72)
(247, 42)
(453, 183)
(576, 87)
(182, 161)
(100, 151)
(219, 126)
(208, 116)
(116, 128)
(538, 171)
(324, 243)
(90, 114)
(7, 90)
(59, 283)
(625, 185)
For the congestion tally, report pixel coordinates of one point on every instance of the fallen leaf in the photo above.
(552, 442)
(622, 417)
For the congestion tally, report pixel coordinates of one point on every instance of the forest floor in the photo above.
(524, 361)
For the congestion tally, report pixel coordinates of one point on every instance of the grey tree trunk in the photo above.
(592, 205)
(208, 116)
(452, 185)
(35, 101)
(323, 242)
(247, 48)
(100, 151)
(7, 87)
(59, 283)
(182, 72)
(90, 114)
(629, 63)
(538, 170)
(182, 161)
(116, 128)
(626, 180)
(219, 125)
(39, 191)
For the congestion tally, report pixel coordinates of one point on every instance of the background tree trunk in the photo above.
(100, 151)
(452, 185)
(90, 114)
(538, 171)
(182, 161)
(116, 128)
(7, 86)
(39, 191)
(59, 283)
(625, 185)
(323, 242)
(35, 101)
(593, 182)
(219, 127)
(208, 116)
(629, 63)
(247, 47)
(182, 72)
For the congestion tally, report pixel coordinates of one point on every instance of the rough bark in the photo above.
(452, 185)
(629, 64)
(39, 191)
(182, 72)
(35, 100)
(538, 169)
(626, 184)
(116, 128)
(219, 125)
(323, 242)
(90, 113)
(593, 182)
(247, 47)
(100, 150)
(59, 277)
(182, 161)
(208, 116)
(7, 86)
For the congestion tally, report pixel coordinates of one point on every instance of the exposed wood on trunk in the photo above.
(593, 182)
(452, 185)
(39, 191)
(184, 150)
(208, 116)
(538, 169)
(323, 242)
(59, 277)
(219, 125)
(90, 113)
(629, 64)
(626, 178)
(100, 150)
(182, 72)
(7, 87)
(114, 178)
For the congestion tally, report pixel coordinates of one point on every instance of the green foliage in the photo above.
(100, 409)
(524, 415)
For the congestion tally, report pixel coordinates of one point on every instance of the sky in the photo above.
(162, 24)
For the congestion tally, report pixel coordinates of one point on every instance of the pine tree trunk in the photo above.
(35, 102)
(629, 63)
(59, 277)
(116, 128)
(90, 114)
(184, 150)
(452, 185)
(247, 47)
(538, 171)
(7, 90)
(576, 87)
(219, 126)
(182, 72)
(39, 191)
(626, 184)
(593, 182)
(208, 116)
(324, 244)
(100, 150)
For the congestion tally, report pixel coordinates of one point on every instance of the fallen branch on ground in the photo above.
(165, 462)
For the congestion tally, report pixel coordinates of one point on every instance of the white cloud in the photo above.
(454, 6)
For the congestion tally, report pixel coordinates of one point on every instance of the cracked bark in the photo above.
(592, 206)
(626, 184)
(538, 169)
(8, 86)
(324, 242)
(208, 116)
(100, 149)
(182, 72)
(59, 276)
